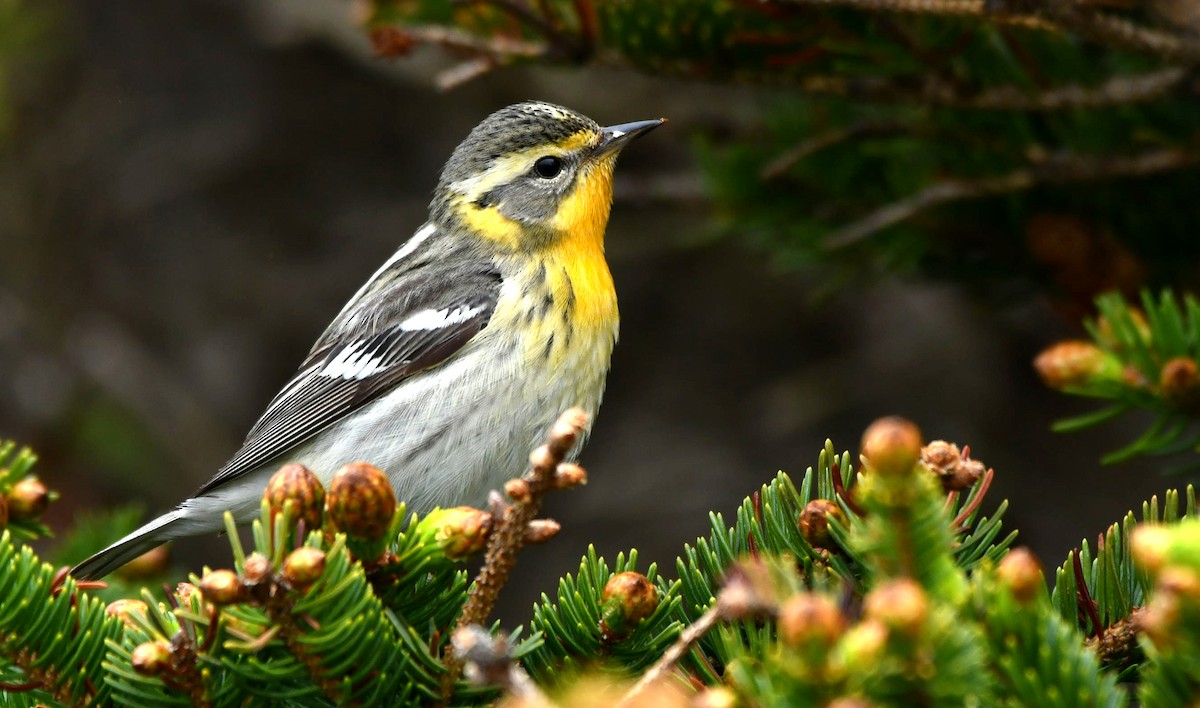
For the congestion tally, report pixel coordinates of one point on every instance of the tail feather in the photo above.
(153, 534)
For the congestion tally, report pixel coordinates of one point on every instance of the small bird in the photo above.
(454, 359)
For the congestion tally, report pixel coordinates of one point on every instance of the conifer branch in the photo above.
(1058, 169)
(511, 524)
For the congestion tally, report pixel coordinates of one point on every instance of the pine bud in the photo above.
(150, 564)
(814, 522)
(125, 610)
(299, 485)
(542, 458)
(303, 567)
(899, 604)
(566, 431)
(809, 618)
(1180, 382)
(628, 598)
(221, 587)
(256, 569)
(184, 592)
(461, 531)
(891, 446)
(541, 530)
(569, 474)
(518, 490)
(1181, 582)
(361, 502)
(27, 499)
(1022, 574)
(1075, 363)
(151, 658)
(955, 471)
(849, 702)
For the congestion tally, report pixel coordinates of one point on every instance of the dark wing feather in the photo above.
(328, 385)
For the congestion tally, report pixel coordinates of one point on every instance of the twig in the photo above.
(547, 471)
(946, 8)
(1119, 32)
(777, 167)
(499, 47)
(666, 663)
(747, 593)
(931, 90)
(1061, 169)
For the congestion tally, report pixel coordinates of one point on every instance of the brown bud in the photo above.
(1022, 574)
(125, 610)
(628, 598)
(256, 569)
(361, 502)
(27, 499)
(541, 530)
(814, 522)
(303, 567)
(461, 531)
(518, 490)
(150, 564)
(849, 702)
(1180, 382)
(184, 592)
(542, 458)
(1075, 363)
(899, 604)
(566, 431)
(569, 474)
(956, 471)
(1150, 547)
(151, 658)
(891, 446)
(809, 618)
(297, 484)
(221, 587)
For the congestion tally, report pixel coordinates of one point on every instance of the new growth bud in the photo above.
(814, 522)
(296, 483)
(303, 567)
(891, 446)
(361, 502)
(221, 587)
(1022, 574)
(1075, 363)
(256, 569)
(151, 658)
(956, 471)
(125, 610)
(461, 531)
(810, 618)
(27, 499)
(628, 598)
(899, 604)
(1180, 382)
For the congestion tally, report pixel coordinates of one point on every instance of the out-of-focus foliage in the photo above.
(1138, 359)
(970, 139)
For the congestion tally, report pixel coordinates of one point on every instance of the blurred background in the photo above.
(190, 190)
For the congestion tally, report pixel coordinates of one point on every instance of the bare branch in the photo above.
(1062, 169)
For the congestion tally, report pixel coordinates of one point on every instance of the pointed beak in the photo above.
(615, 137)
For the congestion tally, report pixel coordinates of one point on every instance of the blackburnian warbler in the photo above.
(454, 359)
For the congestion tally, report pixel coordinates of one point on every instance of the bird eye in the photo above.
(548, 167)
